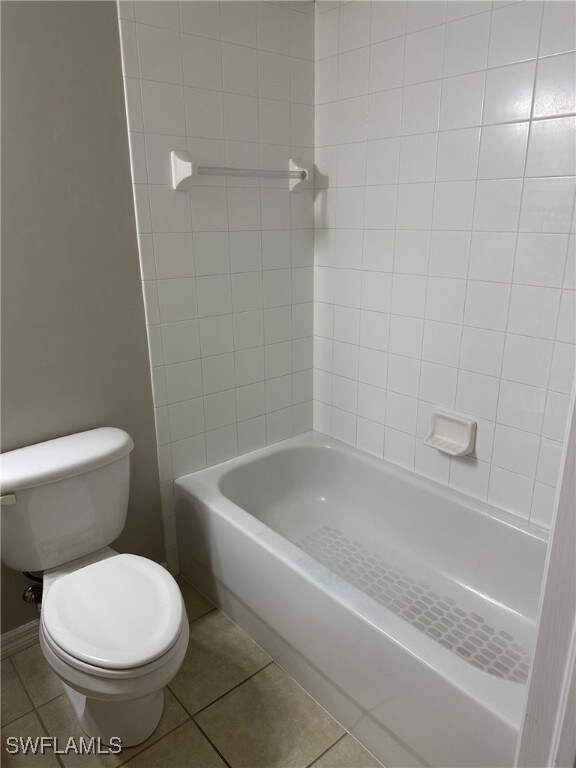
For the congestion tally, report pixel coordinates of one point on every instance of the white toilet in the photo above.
(113, 626)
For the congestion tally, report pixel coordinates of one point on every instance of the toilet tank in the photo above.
(64, 498)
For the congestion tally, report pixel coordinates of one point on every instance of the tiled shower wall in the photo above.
(227, 268)
(444, 264)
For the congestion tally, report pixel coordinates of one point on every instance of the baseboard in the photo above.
(17, 639)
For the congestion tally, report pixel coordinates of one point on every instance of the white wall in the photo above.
(227, 268)
(444, 268)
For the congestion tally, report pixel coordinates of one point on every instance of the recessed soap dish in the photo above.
(451, 434)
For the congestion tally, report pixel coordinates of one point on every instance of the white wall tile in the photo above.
(542, 509)
(183, 381)
(521, 406)
(467, 45)
(189, 455)
(515, 450)
(388, 20)
(238, 22)
(370, 437)
(180, 341)
(387, 64)
(482, 351)
(186, 418)
(159, 54)
(487, 305)
(492, 256)
(399, 448)
(515, 33)
(438, 384)
(401, 413)
(556, 86)
(216, 334)
(558, 28)
(406, 334)
(563, 368)
(218, 373)
(523, 319)
(177, 298)
(566, 330)
(162, 108)
(409, 295)
(239, 69)
(497, 205)
(424, 14)
(552, 151)
(556, 415)
(453, 205)
(503, 151)
(471, 477)
(354, 25)
(403, 375)
(510, 491)
(200, 19)
(421, 108)
(424, 55)
(353, 69)
(509, 92)
(540, 260)
(417, 158)
(527, 360)
(412, 251)
(458, 154)
(547, 205)
(415, 206)
(549, 462)
(159, 14)
(202, 62)
(441, 343)
(445, 299)
(462, 99)
(385, 113)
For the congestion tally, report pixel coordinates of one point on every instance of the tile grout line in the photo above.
(320, 756)
(234, 687)
(209, 740)
(154, 743)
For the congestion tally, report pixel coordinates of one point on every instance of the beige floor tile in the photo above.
(15, 702)
(61, 722)
(348, 753)
(220, 655)
(183, 748)
(40, 682)
(269, 722)
(196, 604)
(29, 725)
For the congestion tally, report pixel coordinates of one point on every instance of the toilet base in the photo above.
(132, 721)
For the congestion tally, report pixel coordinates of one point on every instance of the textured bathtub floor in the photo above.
(229, 705)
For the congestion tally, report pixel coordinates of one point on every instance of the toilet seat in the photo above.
(117, 614)
(114, 684)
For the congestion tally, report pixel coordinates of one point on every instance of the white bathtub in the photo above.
(406, 609)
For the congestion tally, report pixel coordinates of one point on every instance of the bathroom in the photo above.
(373, 323)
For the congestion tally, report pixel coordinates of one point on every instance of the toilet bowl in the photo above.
(113, 626)
(114, 630)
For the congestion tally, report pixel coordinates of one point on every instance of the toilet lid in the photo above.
(118, 613)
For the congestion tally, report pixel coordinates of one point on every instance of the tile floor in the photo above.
(229, 705)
